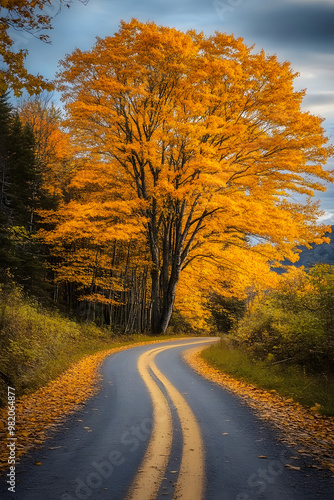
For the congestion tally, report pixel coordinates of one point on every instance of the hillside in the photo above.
(323, 254)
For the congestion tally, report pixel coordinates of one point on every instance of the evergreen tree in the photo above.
(5, 118)
(6, 249)
(21, 254)
(23, 179)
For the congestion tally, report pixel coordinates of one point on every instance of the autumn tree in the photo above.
(55, 155)
(29, 16)
(205, 137)
(98, 249)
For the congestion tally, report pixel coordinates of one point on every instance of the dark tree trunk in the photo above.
(155, 316)
(166, 314)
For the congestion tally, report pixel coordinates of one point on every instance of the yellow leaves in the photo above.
(316, 408)
(54, 152)
(319, 241)
(292, 467)
(101, 299)
(27, 16)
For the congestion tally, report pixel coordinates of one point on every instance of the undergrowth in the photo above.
(37, 345)
(292, 381)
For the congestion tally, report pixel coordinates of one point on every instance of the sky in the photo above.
(298, 31)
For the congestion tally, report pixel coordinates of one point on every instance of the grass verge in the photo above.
(315, 391)
(38, 345)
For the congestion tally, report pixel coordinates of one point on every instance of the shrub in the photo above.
(30, 339)
(295, 322)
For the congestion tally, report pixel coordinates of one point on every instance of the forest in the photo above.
(158, 196)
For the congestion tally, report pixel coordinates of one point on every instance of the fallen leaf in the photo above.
(45, 410)
(310, 432)
(292, 467)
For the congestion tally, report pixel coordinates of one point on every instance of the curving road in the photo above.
(157, 430)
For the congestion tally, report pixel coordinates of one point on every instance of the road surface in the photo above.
(158, 430)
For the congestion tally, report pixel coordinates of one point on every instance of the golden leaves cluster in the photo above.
(25, 16)
(202, 137)
(199, 115)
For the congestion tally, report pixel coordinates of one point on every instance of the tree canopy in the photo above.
(202, 142)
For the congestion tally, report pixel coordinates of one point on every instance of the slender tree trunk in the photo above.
(155, 272)
(155, 317)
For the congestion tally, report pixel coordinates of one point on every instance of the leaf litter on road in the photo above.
(304, 428)
(40, 414)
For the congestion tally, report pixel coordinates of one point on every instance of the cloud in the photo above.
(306, 25)
(327, 217)
(320, 103)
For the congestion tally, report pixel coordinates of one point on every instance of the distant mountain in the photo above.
(323, 254)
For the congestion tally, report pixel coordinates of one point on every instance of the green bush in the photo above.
(291, 381)
(294, 323)
(225, 311)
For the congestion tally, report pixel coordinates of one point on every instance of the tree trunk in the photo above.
(155, 316)
(167, 310)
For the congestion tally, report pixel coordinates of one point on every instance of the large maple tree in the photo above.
(204, 139)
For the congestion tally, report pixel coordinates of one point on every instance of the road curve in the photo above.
(191, 475)
(157, 430)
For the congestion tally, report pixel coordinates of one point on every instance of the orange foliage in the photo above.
(28, 16)
(54, 153)
(203, 139)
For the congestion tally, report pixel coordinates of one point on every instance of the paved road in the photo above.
(157, 430)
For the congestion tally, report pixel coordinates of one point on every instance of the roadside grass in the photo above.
(315, 391)
(38, 345)
(87, 346)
